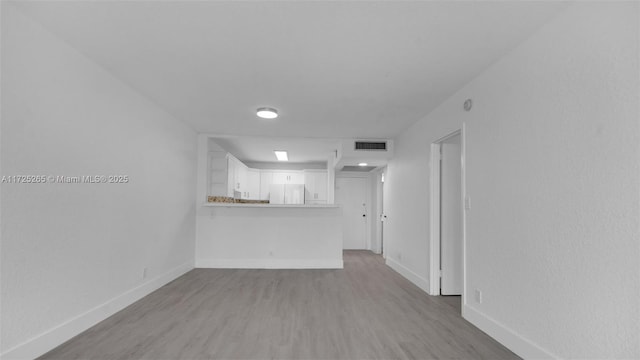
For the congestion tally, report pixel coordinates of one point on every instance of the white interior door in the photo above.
(351, 194)
(451, 217)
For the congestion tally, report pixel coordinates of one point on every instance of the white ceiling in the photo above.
(355, 69)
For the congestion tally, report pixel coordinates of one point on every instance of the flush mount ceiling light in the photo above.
(267, 113)
(281, 155)
(363, 164)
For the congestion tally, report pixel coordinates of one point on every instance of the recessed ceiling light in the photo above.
(363, 164)
(281, 155)
(267, 113)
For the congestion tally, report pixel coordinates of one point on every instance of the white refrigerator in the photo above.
(286, 194)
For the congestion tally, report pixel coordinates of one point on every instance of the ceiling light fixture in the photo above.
(281, 155)
(363, 164)
(267, 113)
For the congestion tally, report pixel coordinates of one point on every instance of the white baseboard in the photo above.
(507, 337)
(270, 263)
(54, 337)
(416, 279)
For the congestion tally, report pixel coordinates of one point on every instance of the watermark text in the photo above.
(65, 179)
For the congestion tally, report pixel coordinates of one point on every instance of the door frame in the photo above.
(377, 209)
(367, 177)
(434, 238)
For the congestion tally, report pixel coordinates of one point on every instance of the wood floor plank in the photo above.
(365, 311)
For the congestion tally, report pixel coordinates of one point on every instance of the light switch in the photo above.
(467, 203)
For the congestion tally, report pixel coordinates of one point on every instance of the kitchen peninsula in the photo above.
(261, 235)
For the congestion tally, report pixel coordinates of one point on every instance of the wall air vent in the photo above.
(371, 145)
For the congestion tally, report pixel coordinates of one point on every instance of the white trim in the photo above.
(270, 263)
(202, 180)
(463, 138)
(416, 279)
(379, 209)
(382, 248)
(507, 337)
(434, 218)
(434, 224)
(57, 335)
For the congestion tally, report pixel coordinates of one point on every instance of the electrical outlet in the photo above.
(478, 296)
(399, 257)
(144, 273)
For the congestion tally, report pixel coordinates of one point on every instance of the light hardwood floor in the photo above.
(366, 311)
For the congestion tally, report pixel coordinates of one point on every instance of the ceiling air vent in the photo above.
(371, 145)
(358, 168)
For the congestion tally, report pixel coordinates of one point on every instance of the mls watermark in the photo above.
(63, 179)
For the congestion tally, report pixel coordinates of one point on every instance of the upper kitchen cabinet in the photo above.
(233, 175)
(245, 180)
(279, 177)
(230, 177)
(240, 171)
(288, 177)
(315, 184)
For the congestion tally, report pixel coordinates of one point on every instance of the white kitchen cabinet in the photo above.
(288, 177)
(296, 177)
(279, 178)
(266, 179)
(237, 177)
(252, 189)
(241, 176)
(231, 175)
(315, 184)
(217, 179)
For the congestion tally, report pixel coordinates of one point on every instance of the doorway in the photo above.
(451, 216)
(351, 194)
(447, 215)
(381, 216)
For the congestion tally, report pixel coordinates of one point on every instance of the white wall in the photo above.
(269, 237)
(552, 171)
(73, 254)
